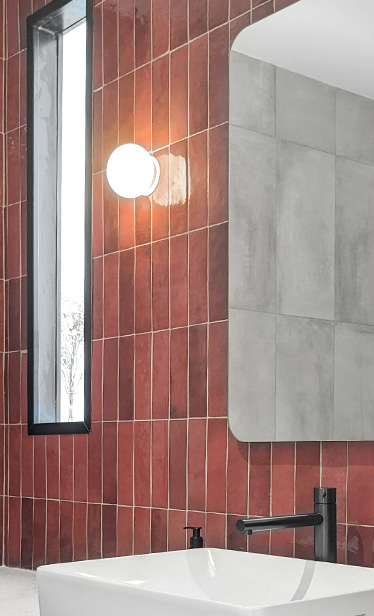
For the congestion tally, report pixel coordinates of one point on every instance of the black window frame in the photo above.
(59, 16)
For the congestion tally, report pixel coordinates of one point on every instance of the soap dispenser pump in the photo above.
(196, 541)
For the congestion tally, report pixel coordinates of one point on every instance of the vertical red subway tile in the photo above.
(235, 541)
(282, 544)
(98, 299)
(126, 292)
(126, 223)
(177, 464)
(40, 518)
(143, 289)
(196, 464)
(218, 277)
(111, 280)
(218, 75)
(27, 463)
(125, 531)
(143, 358)
(12, 19)
(304, 543)
(13, 252)
(143, 35)
(110, 40)
(160, 103)
(142, 531)
(126, 16)
(238, 24)
(142, 220)
(160, 198)
(360, 481)
(198, 371)
(198, 276)
(110, 444)
(215, 530)
(342, 544)
(27, 534)
(178, 188)
(178, 373)
(14, 315)
(53, 532)
(160, 27)
(237, 7)
(53, 466)
(218, 12)
(178, 23)
(14, 532)
(177, 537)
(159, 530)
(12, 93)
(109, 531)
(14, 389)
(307, 475)
(125, 463)
(198, 85)
(198, 204)
(80, 531)
(360, 546)
(13, 184)
(160, 375)
(97, 130)
(23, 314)
(40, 467)
(110, 119)
(198, 18)
(160, 439)
(160, 284)
(237, 475)
(216, 469)
(97, 381)
(126, 109)
(23, 163)
(259, 543)
(97, 64)
(334, 473)
(142, 447)
(66, 467)
(179, 281)
(259, 478)
(94, 531)
(66, 531)
(218, 174)
(126, 378)
(179, 94)
(111, 220)
(110, 380)
(283, 471)
(143, 106)
(95, 464)
(217, 370)
(80, 467)
(97, 215)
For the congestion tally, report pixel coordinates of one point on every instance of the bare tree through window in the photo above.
(72, 349)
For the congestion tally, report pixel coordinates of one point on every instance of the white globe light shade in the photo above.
(132, 172)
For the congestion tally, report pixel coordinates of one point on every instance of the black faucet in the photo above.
(323, 519)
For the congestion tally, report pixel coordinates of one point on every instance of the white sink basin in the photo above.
(205, 582)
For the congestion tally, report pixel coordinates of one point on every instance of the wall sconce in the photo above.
(132, 171)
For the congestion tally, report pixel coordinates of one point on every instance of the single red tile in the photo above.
(218, 273)
(259, 543)
(177, 536)
(179, 94)
(196, 464)
(218, 174)
(80, 531)
(110, 40)
(13, 175)
(97, 64)
(98, 298)
(111, 275)
(304, 543)
(238, 24)
(142, 31)
(14, 533)
(178, 373)
(23, 163)
(66, 467)
(142, 220)
(66, 532)
(126, 378)
(179, 281)
(97, 132)
(110, 380)
(27, 463)
(53, 532)
(126, 292)
(142, 447)
(143, 106)
(27, 533)
(23, 316)
(160, 375)
(235, 541)
(198, 18)
(307, 475)
(97, 215)
(198, 371)
(219, 75)
(40, 467)
(160, 27)
(215, 531)
(259, 478)
(111, 219)
(283, 470)
(14, 389)
(178, 188)
(126, 109)
(237, 475)
(198, 276)
(143, 356)
(198, 186)
(110, 440)
(216, 473)
(110, 120)
(125, 531)
(80, 467)
(177, 464)
(40, 518)
(360, 482)
(360, 546)
(159, 530)
(95, 464)
(237, 7)
(97, 381)
(160, 284)
(160, 438)
(13, 253)
(12, 27)
(143, 289)
(198, 85)
(178, 23)
(53, 466)
(160, 103)
(126, 223)
(282, 543)
(142, 531)
(109, 531)
(217, 370)
(12, 93)
(160, 198)
(94, 532)
(218, 12)
(126, 17)
(196, 518)
(334, 473)
(342, 544)
(125, 463)
(14, 315)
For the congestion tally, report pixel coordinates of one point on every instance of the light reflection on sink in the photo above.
(205, 582)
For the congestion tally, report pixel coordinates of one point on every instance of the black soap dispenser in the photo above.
(196, 541)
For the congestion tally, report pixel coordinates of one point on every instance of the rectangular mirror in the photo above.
(301, 227)
(59, 54)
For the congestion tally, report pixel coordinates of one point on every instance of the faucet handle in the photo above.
(196, 541)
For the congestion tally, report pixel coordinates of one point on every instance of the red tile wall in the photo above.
(160, 454)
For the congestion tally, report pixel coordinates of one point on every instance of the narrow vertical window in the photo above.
(59, 217)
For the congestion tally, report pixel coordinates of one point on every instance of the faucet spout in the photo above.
(251, 525)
